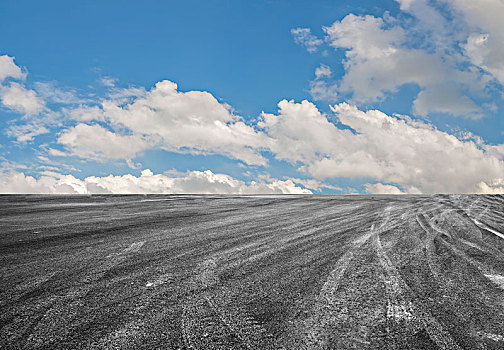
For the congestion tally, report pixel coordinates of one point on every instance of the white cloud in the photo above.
(485, 42)
(393, 150)
(379, 188)
(16, 97)
(108, 81)
(301, 133)
(322, 71)
(85, 113)
(381, 57)
(445, 99)
(49, 91)
(313, 184)
(321, 90)
(496, 187)
(8, 69)
(96, 142)
(304, 37)
(204, 182)
(187, 122)
(57, 153)
(26, 132)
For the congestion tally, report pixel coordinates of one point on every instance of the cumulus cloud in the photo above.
(202, 182)
(96, 142)
(300, 133)
(323, 71)
(384, 54)
(313, 184)
(445, 98)
(386, 152)
(379, 188)
(323, 91)
(304, 37)
(320, 89)
(485, 42)
(16, 97)
(187, 122)
(85, 113)
(26, 132)
(8, 69)
(394, 150)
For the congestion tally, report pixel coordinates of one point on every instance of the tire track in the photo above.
(210, 321)
(325, 306)
(327, 309)
(402, 306)
(65, 308)
(432, 231)
(398, 305)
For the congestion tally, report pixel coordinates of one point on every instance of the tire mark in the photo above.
(398, 307)
(210, 321)
(431, 230)
(325, 304)
(429, 244)
(485, 227)
(497, 279)
(403, 306)
(65, 307)
(323, 320)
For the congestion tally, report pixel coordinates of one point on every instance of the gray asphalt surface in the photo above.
(252, 272)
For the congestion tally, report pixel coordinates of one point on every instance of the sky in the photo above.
(245, 97)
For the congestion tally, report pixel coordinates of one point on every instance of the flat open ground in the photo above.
(256, 272)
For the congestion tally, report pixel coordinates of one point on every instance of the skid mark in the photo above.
(497, 279)
(328, 310)
(485, 227)
(326, 306)
(430, 228)
(279, 244)
(209, 321)
(472, 245)
(31, 288)
(429, 245)
(438, 229)
(66, 307)
(398, 307)
(401, 305)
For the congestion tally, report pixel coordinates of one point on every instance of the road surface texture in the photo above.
(252, 272)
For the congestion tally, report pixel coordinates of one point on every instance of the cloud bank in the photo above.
(449, 49)
(193, 182)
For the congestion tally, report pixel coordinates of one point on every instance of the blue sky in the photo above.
(401, 96)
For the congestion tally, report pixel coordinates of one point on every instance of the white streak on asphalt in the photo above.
(485, 227)
(494, 337)
(160, 280)
(497, 279)
(134, 247)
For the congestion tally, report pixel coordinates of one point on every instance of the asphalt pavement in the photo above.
(252, 272)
